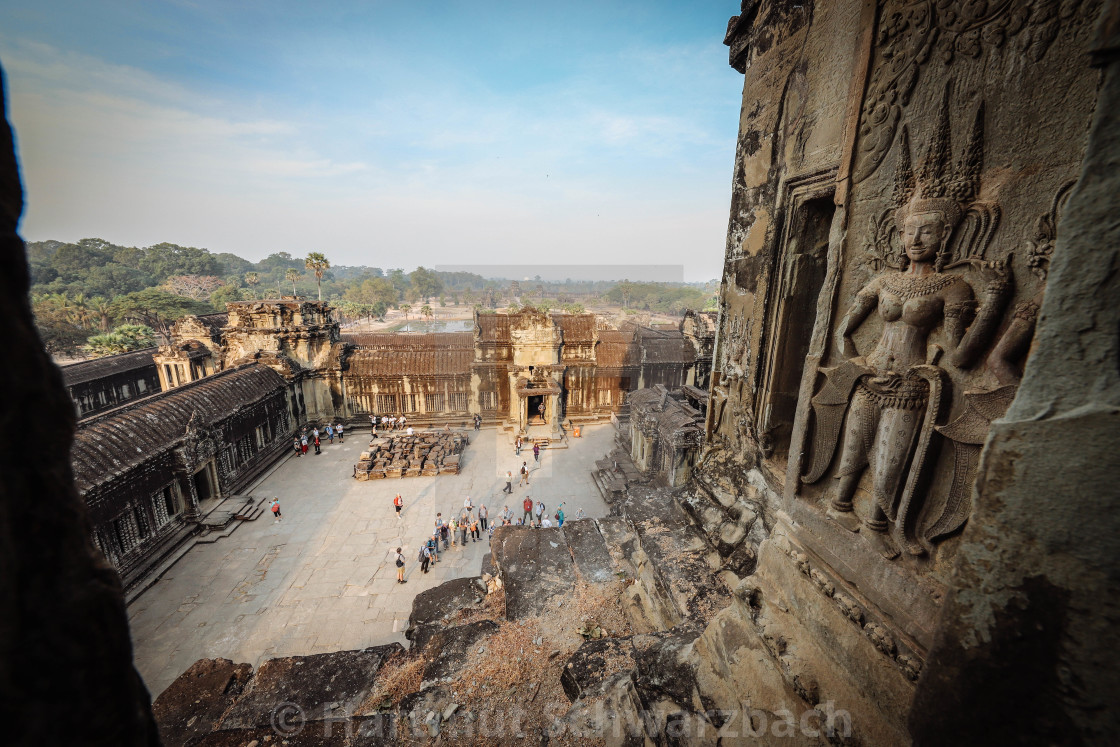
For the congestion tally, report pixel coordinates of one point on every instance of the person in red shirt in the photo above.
(527, 504)
(398, 503)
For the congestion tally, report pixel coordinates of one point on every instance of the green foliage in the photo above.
(663, 297)
(157, 309)
(122, 339)
(227, 294)
(426, 283)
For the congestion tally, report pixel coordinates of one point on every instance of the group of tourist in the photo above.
(312, 438)
(471, 524)
(388, 423)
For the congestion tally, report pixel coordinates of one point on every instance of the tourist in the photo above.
(537, 452)
(517, 446)
(398, 503)
(463, 529)
(546, 523)
(474, 531)
(295, 442)
(483, 514)
(467, 505)
(330, 433)
(400, 567)
(524, 474)
(444, 533)
(540, 409)
(314, 433)
(389, 422)
(401, 424)
(433, 547)
(303, 444)
(506, 516)
(409, 431)
(509, 483)
(453, 526)
(425, 558)
(560, 515)
(317, 449)
(580, 514)
(338, 429)
(527, 504)
(490, 534)
(276, 509)
(540, 512)
(477, 422)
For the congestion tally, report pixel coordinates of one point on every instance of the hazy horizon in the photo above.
(450, 133)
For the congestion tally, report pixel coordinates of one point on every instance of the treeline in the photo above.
(92, 287)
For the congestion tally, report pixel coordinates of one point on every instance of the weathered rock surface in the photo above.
(536, 567)
(320, 686)
(440, 603)
(195, 703)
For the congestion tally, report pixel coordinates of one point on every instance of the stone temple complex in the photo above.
(873, 502)
(236, 386)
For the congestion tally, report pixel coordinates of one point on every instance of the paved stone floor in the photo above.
(323, 578)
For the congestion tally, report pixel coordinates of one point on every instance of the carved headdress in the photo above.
(938, 187)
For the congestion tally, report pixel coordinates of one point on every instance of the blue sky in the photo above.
(380, 133)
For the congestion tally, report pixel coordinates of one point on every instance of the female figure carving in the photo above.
(892, 394)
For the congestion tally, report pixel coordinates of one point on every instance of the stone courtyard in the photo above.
(323, 578)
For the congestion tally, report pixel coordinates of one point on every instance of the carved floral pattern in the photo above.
(912, 31)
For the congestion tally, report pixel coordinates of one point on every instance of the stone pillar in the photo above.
(1026, 650)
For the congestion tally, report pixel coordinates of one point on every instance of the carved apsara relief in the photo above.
(877, 411)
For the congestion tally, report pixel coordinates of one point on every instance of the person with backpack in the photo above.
(527, 504)
(400, 566)
(276, 509)
(524, 474)
(560, 515)
(398, 503)
(425, 557)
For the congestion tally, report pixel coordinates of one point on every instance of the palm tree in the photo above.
(292, 275)
(79, 310)
(252, 280)
(426, 311)
(405, 309)
(102, 307)
(318, 264)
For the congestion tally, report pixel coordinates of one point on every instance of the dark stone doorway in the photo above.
(202, 485)
(535, 402)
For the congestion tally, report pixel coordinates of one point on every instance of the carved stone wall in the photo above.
(901, 183)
